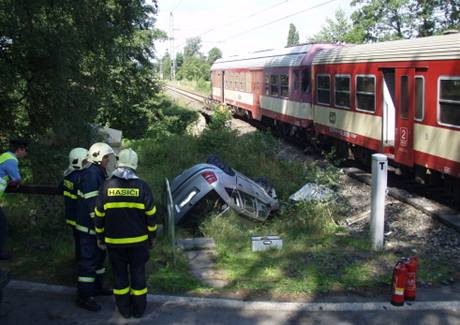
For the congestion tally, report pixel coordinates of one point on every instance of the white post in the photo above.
(379, 186)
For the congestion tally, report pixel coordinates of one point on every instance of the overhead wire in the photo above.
(177, 5)
(236, 21)
(277, 20)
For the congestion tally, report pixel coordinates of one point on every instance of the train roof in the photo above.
(443, 47)
(286, 57)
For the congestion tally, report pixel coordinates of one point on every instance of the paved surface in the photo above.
(201, 252)
(32, 303)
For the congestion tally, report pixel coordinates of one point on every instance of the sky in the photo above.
(240, 26)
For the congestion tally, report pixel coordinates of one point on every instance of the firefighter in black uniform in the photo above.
(91, 263)
(125, 221)
(77, 159)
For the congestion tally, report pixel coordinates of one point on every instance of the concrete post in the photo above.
(379, 186)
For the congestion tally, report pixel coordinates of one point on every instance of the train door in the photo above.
(405, 111)
(389, 119)
(223, 86)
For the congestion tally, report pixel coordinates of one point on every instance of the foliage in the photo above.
(395, 19)
(337, 31)
(67, 65)
(166, 64)
(293, 36)
(194, 68)
(213, 55)
(192, 47)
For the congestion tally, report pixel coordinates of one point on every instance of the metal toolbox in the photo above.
(262, 243)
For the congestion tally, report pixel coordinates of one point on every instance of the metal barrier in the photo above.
(171, 220)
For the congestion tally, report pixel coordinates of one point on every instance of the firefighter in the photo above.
(91, 258)
(125, 221)
(77, 160)
(9, 175)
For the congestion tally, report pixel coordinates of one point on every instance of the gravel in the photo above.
(408, 231)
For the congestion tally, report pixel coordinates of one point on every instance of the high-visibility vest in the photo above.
(4, 180)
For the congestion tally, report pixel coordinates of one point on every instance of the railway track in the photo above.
(431, 202)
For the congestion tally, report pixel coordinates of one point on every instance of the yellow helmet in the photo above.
(98, 150)
(128, 158)
(76, 157)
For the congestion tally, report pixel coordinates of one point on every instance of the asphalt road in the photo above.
(31, 303)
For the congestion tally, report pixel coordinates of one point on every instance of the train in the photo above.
(400, 98)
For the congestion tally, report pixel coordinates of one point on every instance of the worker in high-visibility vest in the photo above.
(125, 223)
(91, 259)
(9, 175)
(77, 160)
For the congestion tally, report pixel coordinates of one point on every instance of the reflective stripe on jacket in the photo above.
(125, 213)
(5, 177)
(69, 191)
(91, 178)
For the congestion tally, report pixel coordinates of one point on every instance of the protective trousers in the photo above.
(90, 266)
(76, 237)
(3, 231)
(128, 267)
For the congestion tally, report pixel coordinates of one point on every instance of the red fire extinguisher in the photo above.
(411, 265)
(399, 283)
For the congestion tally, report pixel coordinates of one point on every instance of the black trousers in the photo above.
(3, 231)
(128, 267)
(76, 243)
(90, 266)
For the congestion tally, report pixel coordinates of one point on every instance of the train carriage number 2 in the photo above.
(404, 137)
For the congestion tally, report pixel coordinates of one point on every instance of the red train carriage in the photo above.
(274, 84)
(400, 97)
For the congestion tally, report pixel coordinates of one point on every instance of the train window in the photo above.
(284, 81)
(419, 97)
(365, 93)
(296, 80)
(305, 81)
(404, 97)
(274, 85)
(342, 91)
(267, 84)
(449, 101)
(324, 89)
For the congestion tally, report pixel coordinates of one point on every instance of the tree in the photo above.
(194, 68)
(166, 65)
(337, 31)
(451, 14)
(213, 55)
(192, 47)
(67, 65)
(179, 60)
(293, 36)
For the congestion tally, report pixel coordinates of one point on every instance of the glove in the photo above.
(101, 245)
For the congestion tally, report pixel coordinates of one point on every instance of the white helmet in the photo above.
(98, 150)
(76, 157)
(127, 158)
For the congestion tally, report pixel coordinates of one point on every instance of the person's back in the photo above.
(125, 203)
(125, 221)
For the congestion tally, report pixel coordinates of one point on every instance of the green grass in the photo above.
(317, 255)
(199, 86)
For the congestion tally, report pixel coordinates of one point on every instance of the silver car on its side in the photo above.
(255, 199)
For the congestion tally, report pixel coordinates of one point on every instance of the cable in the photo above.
(235, 21)
(177, 5)
(279, 19)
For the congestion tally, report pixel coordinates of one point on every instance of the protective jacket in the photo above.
(9, 170)
(91, 178)
(125, 213)
(69, 190)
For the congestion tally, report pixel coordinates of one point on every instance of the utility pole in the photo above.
(171, 46)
